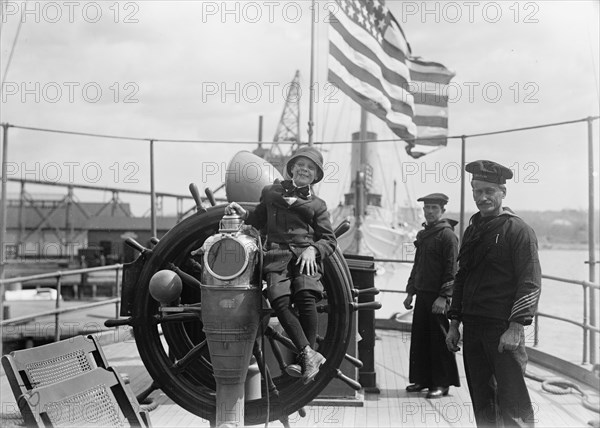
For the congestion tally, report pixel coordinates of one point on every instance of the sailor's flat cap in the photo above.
(434, 198)
(489, 171)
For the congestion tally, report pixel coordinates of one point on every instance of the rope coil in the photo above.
(560, 386)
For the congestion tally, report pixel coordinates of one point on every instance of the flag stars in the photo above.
(347, 6)
(383, 23)
(371, 18)
(369, 27)
(374, 30)
(363, 12)
(352, 14)
(369, 14)
(344, 5)
(361, 19)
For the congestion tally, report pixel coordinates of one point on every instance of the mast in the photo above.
(359, 187)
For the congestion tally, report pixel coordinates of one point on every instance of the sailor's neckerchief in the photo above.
(431, 229)
(480, 227)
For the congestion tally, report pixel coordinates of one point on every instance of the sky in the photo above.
(190, 70)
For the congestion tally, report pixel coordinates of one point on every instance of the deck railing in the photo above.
(587, 328)
(58, 310)
(585, 324)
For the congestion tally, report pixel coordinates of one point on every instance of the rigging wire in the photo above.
(14, 45)
(384, 182)
(397, 140)
(405, 182)
(315, 66)
(3, 10)
(344, 181)
(593, 59)
(325, 121)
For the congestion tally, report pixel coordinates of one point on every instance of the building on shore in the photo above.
(91, 233)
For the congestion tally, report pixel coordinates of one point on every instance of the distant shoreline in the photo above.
(565, 246)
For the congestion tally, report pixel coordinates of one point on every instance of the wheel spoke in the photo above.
(186, 278)
(277, 353)
(271, 333)
(264, 369)
(180, 317)
(196, 352)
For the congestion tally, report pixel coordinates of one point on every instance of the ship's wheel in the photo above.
(172, 344)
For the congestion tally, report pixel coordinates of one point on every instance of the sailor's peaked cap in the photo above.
(434, 198)
(489, 171)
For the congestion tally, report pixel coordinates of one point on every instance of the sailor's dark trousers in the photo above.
(431, 363)
(495, 379)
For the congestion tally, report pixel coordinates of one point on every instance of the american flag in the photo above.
(370, 60)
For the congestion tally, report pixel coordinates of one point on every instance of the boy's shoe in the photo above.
(310, 361)
(294, 370)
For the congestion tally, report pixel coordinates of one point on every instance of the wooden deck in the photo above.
(392, 407)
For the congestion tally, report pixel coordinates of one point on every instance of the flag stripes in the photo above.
(371, 62)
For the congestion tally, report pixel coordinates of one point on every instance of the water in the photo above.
(560, 299)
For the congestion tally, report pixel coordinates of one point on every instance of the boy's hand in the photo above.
(308, 261)
(234, 208)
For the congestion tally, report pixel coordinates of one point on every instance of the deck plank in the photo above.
(392, 407)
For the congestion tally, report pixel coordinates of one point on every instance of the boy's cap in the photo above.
(489, 171)
(310, 153)
(434, 198)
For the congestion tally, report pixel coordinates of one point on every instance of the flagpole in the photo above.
(312, 75)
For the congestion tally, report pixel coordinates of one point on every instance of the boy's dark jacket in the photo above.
(301, 224)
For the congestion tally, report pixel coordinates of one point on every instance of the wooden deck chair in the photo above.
(96, 398)
(47, 364)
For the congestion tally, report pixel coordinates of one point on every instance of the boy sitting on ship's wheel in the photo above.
(299, 238)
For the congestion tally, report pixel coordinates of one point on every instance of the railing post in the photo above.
(152, 193)
(591, 243)
(57, 306)
(536, 331)
(461, 224)
(585, 323)
(82, 285)
(116, 291)
(3, 201)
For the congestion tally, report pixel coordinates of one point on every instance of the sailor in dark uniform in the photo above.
(299, 238)
(432, 365)
(496, 292)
